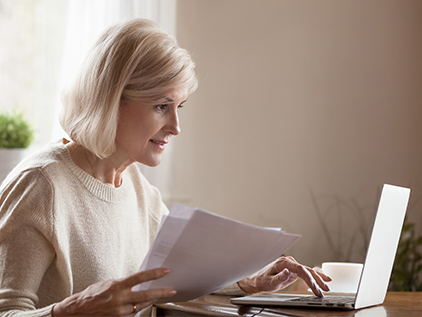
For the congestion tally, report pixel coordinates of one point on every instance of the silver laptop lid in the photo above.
(383, 246)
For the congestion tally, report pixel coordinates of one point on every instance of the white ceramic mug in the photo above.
(345, 276)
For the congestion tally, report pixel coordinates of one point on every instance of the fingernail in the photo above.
(166, 271)
(172, 293)
(318, 290)
(325, 287)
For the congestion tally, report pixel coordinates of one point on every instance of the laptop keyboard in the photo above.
(326, 299)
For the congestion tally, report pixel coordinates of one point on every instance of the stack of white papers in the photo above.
(206, 252)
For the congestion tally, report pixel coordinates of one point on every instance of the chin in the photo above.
(149, 160)
(154, 163)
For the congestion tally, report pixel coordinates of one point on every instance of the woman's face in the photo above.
(144, 129)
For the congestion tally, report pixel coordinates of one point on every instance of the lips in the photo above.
(159, 142)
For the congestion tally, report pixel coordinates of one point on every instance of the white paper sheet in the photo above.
(206, 252)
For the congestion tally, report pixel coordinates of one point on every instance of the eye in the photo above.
(162, 107)
(182, 104)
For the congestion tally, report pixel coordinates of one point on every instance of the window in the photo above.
(43, 42)
(31, 42)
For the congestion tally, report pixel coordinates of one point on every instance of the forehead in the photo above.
(173, 95)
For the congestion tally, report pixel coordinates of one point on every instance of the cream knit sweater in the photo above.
(61, 230)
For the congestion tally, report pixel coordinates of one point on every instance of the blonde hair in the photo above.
(134, 60)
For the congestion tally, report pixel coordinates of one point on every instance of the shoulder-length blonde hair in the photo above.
(134, 60)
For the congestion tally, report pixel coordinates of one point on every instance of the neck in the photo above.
(90, 164)
(107, 171)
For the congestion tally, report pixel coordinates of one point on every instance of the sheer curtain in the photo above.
(86, 19)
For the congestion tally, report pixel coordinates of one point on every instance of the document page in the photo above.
(206, 252)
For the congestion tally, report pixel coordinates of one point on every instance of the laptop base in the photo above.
(296, 300)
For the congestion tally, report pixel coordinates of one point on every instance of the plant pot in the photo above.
(9, 158)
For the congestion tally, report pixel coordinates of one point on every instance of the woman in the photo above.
(77, 217)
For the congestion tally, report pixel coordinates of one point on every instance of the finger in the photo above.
(324, 276)
(311, 278)
(315, 284)
(283, 275)
(143, 299)
(291, 258)
(312, 283)
(152, 295)
(139, 300)
(144, 276)
(133, 309)
(280, 264)
(320, 278)
(303, 272)
(284, 279)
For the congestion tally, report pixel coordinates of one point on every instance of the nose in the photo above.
(173, 125)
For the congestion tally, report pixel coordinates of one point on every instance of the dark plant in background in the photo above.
(408, 263)
(349, 240)
(407, 269)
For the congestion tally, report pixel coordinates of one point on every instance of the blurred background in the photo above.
(304, 108)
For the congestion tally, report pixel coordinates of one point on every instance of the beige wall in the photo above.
(296, 96)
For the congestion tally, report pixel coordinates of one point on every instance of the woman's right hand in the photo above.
(114, 297)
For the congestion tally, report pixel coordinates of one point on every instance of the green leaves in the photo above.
(408, 262)
(15, 132)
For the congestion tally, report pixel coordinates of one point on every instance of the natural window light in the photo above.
(43, 42)
(31, 42)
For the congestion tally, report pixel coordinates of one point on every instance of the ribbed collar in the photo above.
(102, 191)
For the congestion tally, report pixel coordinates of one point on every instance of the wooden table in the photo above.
(396, 304)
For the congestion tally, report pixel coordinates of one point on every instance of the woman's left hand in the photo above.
(283, 272)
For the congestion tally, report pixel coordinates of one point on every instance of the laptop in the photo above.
(377, 268)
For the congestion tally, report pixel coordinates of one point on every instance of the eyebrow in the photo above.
(171, 100)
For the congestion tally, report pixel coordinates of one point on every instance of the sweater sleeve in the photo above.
(26, 251)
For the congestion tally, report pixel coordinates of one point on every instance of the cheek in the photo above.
(128, 124)
(136, 125)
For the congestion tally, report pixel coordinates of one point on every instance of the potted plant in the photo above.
(407, 269)
(16, 135)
